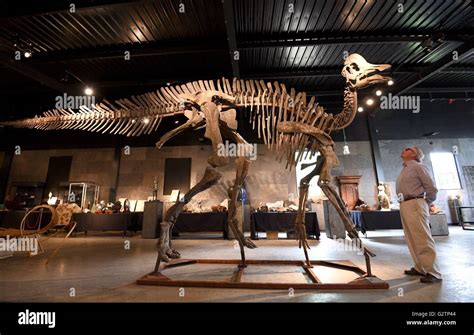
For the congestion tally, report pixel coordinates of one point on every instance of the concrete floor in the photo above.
(99, 268)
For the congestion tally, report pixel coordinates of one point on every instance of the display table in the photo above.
(201, 222)
(282, 222)
(12, 219)
(130, 221)
(375, 220)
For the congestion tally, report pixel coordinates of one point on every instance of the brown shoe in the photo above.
(430, 279)
(413, 272)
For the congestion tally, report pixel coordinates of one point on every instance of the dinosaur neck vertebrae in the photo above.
(345, 118)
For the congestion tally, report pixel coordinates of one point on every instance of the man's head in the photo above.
(412, 153)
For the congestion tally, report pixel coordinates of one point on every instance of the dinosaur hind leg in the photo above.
(242, 165)
(165, 252)
(300, 227)
(338, 203)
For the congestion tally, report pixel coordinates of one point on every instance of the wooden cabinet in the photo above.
(349, 189)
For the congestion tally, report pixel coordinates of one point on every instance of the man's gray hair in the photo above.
(419, 154)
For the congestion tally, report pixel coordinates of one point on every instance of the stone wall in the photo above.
(358, 163)
(92, 165)
(390, 151)
(267, 180)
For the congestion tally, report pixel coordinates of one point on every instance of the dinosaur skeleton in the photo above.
(287, 122)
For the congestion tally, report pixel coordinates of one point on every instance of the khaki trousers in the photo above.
(415, 220)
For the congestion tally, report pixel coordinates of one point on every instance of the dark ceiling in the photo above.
(297, 42)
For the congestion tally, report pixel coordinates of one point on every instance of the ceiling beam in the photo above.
(231, 36)
(22, 66)
(336, 72)
(463, 51)
(36, 8)
(320, 38)
(442, 89)
(136, 50)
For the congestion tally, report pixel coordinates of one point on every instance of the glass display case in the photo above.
(83, 194)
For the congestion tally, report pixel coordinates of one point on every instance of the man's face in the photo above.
(408, 154)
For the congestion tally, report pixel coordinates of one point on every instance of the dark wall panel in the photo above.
(59, 169)
(177, 175)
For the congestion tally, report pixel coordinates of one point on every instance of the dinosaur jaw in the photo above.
(371, 76)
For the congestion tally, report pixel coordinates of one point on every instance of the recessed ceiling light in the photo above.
(146, 120)
(360, 109)
(176, 122)
(390, 82)
(378, 93)
(88, 91)
(370, 102)
(432, 133)
(27, 54)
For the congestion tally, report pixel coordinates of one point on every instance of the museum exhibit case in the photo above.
(85, 195)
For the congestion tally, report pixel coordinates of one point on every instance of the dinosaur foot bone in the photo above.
(249, 244)
(173, 253)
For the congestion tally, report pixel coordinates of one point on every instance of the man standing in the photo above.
(416, 191)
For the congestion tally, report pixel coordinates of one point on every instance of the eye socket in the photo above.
(348, 69)
(216, 99)
(354, 66)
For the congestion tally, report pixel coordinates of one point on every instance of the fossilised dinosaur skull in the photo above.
(361, 73)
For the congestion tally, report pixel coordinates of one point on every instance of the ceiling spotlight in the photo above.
(378, 93)
(176, 122)
(133, 121)
(89, 91)
(146, 120)
(370, 102)
(360, 109)
(27, 54)
(390, 82)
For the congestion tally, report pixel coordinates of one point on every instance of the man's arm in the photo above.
(428, 183)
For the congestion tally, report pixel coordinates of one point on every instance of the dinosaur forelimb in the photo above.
(172, 133)
(296, 127)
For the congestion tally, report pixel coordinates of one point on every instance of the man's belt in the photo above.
(411, 198)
